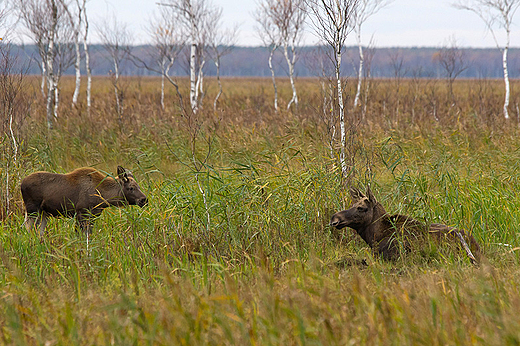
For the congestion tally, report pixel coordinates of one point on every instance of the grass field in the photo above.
(234, 246)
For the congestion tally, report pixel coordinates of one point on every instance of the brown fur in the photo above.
(384, 233)
(82, 193)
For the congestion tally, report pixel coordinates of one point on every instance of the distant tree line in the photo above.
(187, 38)
(252, 62)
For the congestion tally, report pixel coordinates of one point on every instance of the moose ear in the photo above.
(355, 193)
(121, 173)
(370, 195)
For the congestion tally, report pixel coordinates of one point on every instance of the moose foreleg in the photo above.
(30, 220)
(85, 223)
(36, 220)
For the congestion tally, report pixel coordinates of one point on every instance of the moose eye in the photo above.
(131, 189)
(362, 209)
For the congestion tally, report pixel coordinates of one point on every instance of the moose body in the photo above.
(82, 193)
(388, 234)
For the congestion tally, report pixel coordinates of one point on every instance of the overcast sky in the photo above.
(405, 23)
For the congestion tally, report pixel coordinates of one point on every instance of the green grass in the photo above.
(261, 269)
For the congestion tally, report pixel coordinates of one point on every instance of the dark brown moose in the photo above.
(82, 193)
(388, 235)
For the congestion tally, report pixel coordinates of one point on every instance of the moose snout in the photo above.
(142, 202)
(334, 221)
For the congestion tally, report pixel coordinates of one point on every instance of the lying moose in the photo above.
(82, 193)
(385, 233)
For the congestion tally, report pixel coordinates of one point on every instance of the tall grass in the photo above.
(234, 246)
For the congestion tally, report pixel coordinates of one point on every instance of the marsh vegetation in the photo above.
(234, 245)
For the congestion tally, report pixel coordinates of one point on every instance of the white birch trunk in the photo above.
(116, 91)
(50, 94)
(360, 70)
(13, 138)
(56, 97)
(200, 83)
(89, 75)
(51, 113)
(163, 69)
(78, 72)
(166, 74)
(506, 77)
(193, 77)
(44, 74)
(14, 157)
(87, 60)
(162, 92)
(272, 76)
(217, 65)
(290, 64)
(342, 157)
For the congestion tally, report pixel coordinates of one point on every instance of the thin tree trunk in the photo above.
(166, 72)
(50, 114)
(360, 71)
(162, 92)
(200, 83)
(87, 61)
(89, 77)
(116, 92)
(163, 69)
(506, 78)
(290, 64)
(76, 27)
(77, 68)
(14, 157)
(342, 157)
(193, 76)
(44, 74)
(365, 103)
(272, 76)
(56, 98)
(217, 64)
(13, 138)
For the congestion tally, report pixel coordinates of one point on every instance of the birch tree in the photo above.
(333, 22)
(77, 63)
(82, 6)
(168, 41)
(50, 30)
(364, 10)
(193, 16)
(271, 39)
(115, 39)
(220, 43)
(286, 18)
(495, 13)
(79, 24)
(14, 106)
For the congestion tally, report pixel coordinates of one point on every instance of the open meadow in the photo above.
(234, 246)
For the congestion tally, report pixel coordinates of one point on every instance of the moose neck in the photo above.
(371, 232)
(112, 191)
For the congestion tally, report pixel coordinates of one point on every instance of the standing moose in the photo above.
(82, 193)
(385, 233)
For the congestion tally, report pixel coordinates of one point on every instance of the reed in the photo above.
(234, 246)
